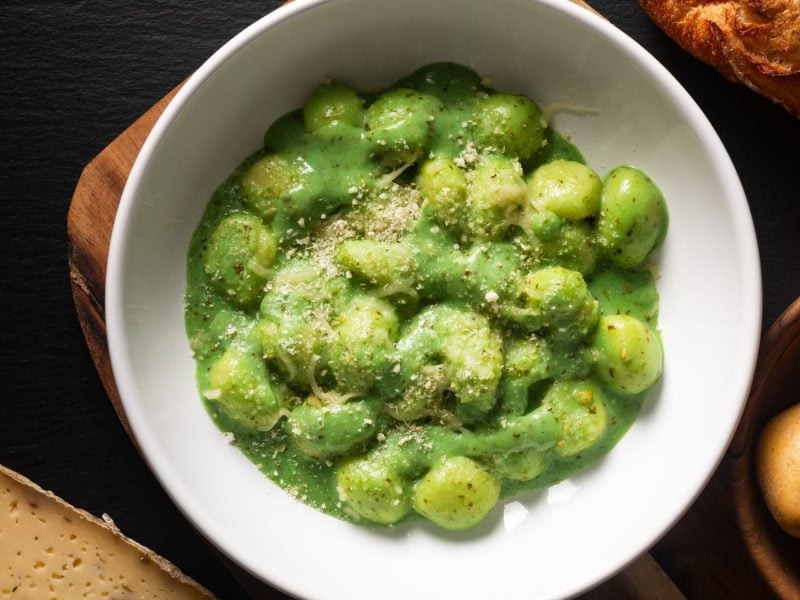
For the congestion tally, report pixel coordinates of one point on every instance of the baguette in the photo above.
(753, 42)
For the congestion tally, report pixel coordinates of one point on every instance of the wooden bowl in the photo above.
(775, 553)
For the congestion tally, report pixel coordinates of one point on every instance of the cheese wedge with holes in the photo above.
(49, 550)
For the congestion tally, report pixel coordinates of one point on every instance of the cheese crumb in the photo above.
(491, 296)
(469, 156)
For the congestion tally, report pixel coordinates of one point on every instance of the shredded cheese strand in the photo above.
(575, 109)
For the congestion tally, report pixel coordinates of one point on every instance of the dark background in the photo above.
(76, 74)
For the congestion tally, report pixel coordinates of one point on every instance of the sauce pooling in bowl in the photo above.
(411, 304)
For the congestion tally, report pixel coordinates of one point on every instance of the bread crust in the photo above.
(753, 42)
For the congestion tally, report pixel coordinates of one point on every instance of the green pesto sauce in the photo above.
(340, 179)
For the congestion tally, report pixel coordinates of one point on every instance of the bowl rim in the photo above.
(116, 331)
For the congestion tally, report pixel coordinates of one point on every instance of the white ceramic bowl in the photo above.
(546, 545)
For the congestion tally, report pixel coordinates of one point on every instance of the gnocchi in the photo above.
(411, 304)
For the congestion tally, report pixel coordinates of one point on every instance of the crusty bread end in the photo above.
(753, 42)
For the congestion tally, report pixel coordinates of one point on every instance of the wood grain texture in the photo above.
(774, 389)
(586, 6)
(89, 223)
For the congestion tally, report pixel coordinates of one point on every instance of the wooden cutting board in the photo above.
(702, 556)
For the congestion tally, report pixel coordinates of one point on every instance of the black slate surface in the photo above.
(74, 75)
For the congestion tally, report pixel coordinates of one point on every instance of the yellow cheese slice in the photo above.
(50, 549)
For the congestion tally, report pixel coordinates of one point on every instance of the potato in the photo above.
(778, 468)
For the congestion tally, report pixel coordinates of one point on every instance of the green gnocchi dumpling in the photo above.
(422, 395)
(444, 188)
(465, 343)
(239, 384)
(363, 343)
(269, 180)
(456, 493)
(572, 246)
(527, 361)
(633, 216)
(628, 354)
(240, 252)
(333, 103)
(568, 188)
(323, 430)
(373, 490)
(508, 124)
(285, 133)
(447, 81)
(377, 263)
(558, 301)
(295, 328)
(580, 409)
(400, 124)
(495, 197)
